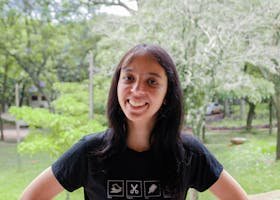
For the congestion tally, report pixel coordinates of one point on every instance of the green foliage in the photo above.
(56, 132)
(69, 102)
(210, 41)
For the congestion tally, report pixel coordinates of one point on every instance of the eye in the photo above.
(127, 78)
(152, 82)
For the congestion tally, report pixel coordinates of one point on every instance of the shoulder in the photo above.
(93, 140)
(192, 144)
(202, 168)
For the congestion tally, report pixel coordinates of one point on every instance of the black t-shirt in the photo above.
(131, 174)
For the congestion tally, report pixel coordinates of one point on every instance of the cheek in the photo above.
(162, 93)
(120, 91)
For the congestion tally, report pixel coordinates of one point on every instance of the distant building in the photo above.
(36, 99)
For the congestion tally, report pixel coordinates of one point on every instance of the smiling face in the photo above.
(141, 88)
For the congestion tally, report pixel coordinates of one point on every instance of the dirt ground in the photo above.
(11, 134)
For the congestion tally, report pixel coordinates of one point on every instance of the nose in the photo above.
(138, 88)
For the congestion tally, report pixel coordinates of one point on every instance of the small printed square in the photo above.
(115, 188)
(152, 189)
(134, 188)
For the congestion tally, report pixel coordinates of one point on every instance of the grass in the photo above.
(16, 172)
(252, 164)
(237, 122)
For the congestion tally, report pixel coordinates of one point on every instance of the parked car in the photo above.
(214, 108)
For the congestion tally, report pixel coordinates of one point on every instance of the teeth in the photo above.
(136, 104)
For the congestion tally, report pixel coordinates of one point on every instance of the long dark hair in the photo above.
(165, 137)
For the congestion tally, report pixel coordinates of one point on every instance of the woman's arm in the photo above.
(226, 188)
(43, 187)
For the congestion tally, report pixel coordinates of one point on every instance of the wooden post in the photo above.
(90, 85)
(17, 125)
(17, 105)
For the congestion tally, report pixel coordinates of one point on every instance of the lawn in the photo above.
(17, 171)
(252, 164)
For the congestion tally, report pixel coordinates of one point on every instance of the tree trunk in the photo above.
(278, 135)
(3, 99)
(197, 126)
(203, 133)
(242, 108)
(251, 115)
(1, 126)
(270, 117)
(227, 109)
(90, 85)
(22, 92)
(276, 101)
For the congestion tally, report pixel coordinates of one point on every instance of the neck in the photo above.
(139, 133)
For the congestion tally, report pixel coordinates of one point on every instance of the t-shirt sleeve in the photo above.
(70, 168)
(204, 168)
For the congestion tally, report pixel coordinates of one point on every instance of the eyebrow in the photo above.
(128, 69)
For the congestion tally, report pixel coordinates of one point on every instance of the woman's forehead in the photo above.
(139, 54)
(141, 60)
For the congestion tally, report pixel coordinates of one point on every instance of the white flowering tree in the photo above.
(263, 33)
(209, 40)
(200, 35)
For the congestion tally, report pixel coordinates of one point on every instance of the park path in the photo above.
(272, 195)
(10, 135)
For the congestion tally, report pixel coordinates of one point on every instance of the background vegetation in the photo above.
(225, 52)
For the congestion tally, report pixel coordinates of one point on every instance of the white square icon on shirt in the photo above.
(115, 188)
(133, 188)
(152, 189)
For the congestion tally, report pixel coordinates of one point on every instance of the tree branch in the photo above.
(113, 3)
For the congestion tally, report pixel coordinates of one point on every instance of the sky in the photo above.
(118, 10)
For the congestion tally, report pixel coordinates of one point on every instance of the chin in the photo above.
(139, 118)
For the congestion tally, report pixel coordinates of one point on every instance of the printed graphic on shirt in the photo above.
(136, 189)
(115, 188)
(152, 189)
(133, 188)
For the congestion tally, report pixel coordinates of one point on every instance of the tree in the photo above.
(262, 90)
(203, 45)
(263, 46)
(208, 40)
(43, 48)
(29, 41)
(56, 132)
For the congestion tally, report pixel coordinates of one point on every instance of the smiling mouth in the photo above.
(136, 103)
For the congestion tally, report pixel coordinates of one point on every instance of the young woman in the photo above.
(143, 154)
